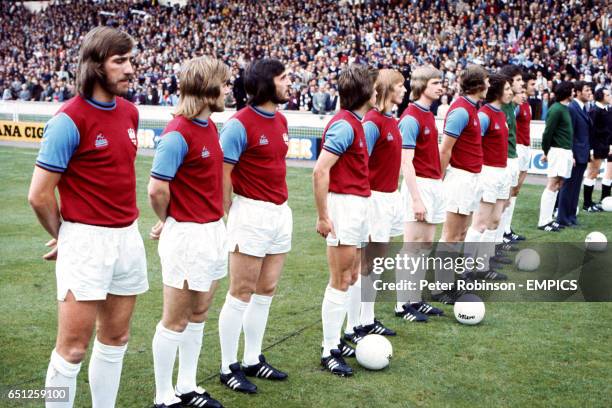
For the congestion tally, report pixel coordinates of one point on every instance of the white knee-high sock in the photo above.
(487, 247)
(189, 354)
(230, 325)
(254, 326)
(499, 234)
(366, 316)
(333, 311)
(105, 367)
(507, 215)
(165, 344)
(61, 373)
(472, 243)
(547, 205)
(353, 307)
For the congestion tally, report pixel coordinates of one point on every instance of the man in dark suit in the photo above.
(239, 91)
(582, 125)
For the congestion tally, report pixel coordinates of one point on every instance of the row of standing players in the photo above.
(88, 154)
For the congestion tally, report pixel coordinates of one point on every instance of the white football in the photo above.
(527, 260)
(606, 204)
(374, 352)
(596, 241)
(469, 309)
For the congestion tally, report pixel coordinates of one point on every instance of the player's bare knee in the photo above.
(199, 314)
(266, 290)
(74, 353)
(115, 339)
(243, 292)
(178, 325)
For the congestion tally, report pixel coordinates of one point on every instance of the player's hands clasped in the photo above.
(52, 254)
(156, 230)
(325, 227)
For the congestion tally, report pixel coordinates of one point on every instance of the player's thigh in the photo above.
(76, 321)
(271, 270)
(482, 216)
(455, 226)
(341, 261)
(200, 303)
(244, 274)
(177, 307)
(114, 315)
(372, 251)
(593, 168)
(419, 232)
(496, 214)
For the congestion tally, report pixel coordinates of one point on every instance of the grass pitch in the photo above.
(523, 354)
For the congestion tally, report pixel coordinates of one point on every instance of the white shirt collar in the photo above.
(580, 103)
(600, 105)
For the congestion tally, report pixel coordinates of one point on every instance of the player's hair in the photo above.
(473, 79)
(511, 71)
(563, 90)
(529, 76)
(356, 85)
(201, 83)
(599, 94)
(98, 45)
(497, 83)
(419, 79)
(259, 80)
(386, 80)
(579, 85)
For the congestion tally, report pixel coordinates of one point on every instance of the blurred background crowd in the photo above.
(555, 40)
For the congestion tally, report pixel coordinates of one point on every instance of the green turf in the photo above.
(524, 354)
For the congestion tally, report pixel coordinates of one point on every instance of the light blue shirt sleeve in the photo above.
(371, 134)
(484, 122)
(456, 121)
(233, 140)
(60, 140)
(169, 155)
(339, 137)
(409, 128)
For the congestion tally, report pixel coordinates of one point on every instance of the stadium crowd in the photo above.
(555, 40)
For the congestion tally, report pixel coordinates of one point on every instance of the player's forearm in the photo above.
(320, 182)
(445, 156)
(227, 186)
(160, 200)
(410, 179)
(446, 149)
(47, 211)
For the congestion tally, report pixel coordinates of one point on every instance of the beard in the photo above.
(280, 99)
(113, 87)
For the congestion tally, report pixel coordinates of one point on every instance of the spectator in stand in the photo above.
(554, 39)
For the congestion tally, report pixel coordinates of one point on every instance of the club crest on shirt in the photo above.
(496, 126)
(286, 138)
(132, 135)
(101, 142)
(426, 131)
(205, 153)
(389, 137)
(360, 143)
(475, 123)
(263, 140)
